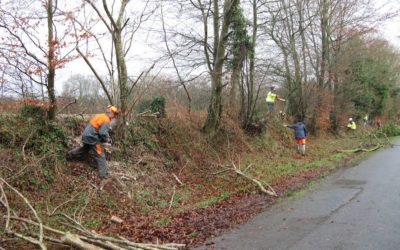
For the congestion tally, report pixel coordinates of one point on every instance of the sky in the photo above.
(389, 29)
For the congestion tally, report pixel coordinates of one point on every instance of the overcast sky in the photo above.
(391, 28)
(143, 53)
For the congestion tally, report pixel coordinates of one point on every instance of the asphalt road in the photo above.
(354, 208)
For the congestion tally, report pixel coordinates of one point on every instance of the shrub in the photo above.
(155, 105)
(158, 105)
(33, 111)
(5, 137)
(52, 139)
(389, 129)
(139, 132)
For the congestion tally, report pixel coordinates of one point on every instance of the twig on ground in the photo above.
(259, 184)
(75, 241)
(9, 169)
(389, 142)
(40, 241)
(24, 145)
(125, 176)
(6, 205)
(90, 240)
(62, 204)
(29, 239)
(36, 224)
(250, 165)
(172, 200)
(177, 179)
(21, 171)
(138, 162)
(87, 201)
(220, 172)
(79, 227)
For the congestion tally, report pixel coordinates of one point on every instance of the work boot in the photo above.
(68, 156)
(104, 182)
(303, 150)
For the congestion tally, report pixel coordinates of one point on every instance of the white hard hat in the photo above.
(350, 119)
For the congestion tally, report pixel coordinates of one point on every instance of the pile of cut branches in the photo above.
(35, 232)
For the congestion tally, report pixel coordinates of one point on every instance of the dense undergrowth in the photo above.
(168, 172)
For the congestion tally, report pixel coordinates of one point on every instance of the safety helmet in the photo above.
(113, 109)
(273, 87)
(350, 119)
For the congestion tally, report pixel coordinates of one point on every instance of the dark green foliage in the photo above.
(158, 105)
(141, 132)
(33, 111)
(47, 137)
(155, 105)
(27, 134)
(51, 139)
(389, 129)
(6, 137)
(372, 77)
(239, 38)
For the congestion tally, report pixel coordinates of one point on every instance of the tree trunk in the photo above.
(51, 63)
(214, 114)
(324, 58)
(240, 44)
(235, 81)
(246, 112)
(122, 74)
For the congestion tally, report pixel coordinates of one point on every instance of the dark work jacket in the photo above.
(300, 130)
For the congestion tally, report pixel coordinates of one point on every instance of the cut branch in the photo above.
(356, 150)
(66, 106)
(259, 184)
(40, 241)
(75, 241)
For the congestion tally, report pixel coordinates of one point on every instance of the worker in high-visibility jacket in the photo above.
(271, 98)
(351, 125)
(96, 133)
(365, 119)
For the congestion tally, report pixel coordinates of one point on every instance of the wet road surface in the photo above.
(354, 208)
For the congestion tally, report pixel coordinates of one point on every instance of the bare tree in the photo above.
(172, 57)
(24, 23)
(120, 26)
(214, 115)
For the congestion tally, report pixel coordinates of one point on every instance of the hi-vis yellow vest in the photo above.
(271, 97)
(352, 125)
